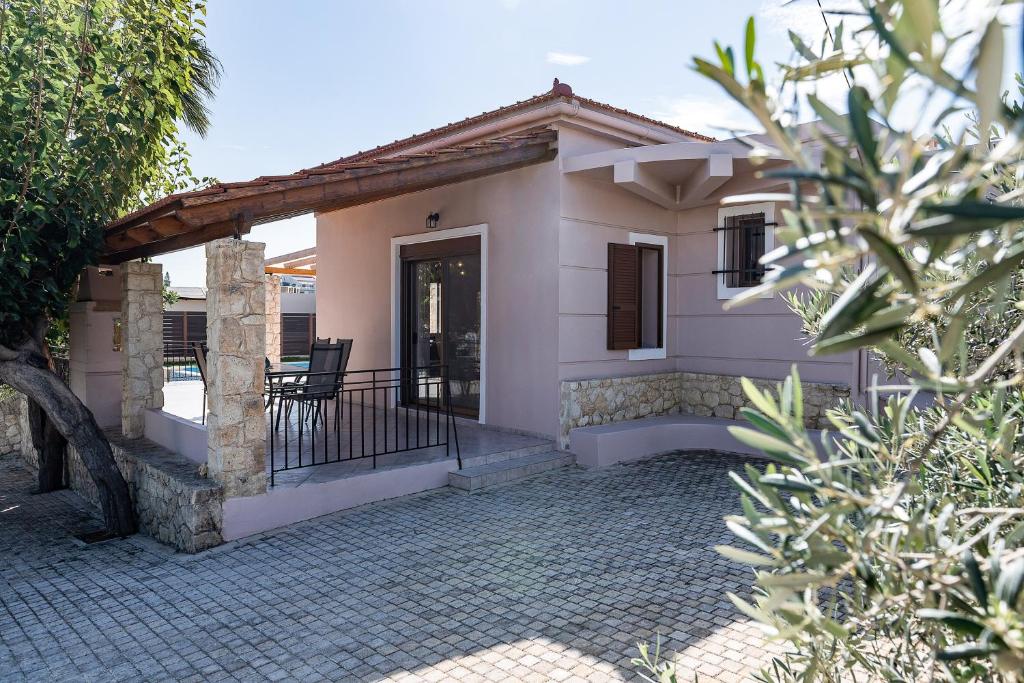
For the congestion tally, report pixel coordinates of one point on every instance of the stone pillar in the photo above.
(236, 336)
(274, 318)
(142, 364)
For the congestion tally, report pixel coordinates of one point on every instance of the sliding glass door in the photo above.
(441, 320)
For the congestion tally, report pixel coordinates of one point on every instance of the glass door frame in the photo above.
(481, 230)
(408, 257)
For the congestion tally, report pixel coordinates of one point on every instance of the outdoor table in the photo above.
(278, 369)
(280, 373)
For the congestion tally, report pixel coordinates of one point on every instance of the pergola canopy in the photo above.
(301, 262)
(188, 219)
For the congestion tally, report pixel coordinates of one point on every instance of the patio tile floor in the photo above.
(553, 578)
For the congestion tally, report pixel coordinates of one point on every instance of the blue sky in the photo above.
(311, 80)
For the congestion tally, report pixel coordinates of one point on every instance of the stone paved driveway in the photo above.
(554, 578)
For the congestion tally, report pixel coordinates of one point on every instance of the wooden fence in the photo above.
(298, 330)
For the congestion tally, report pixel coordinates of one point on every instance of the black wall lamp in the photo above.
(432, 220)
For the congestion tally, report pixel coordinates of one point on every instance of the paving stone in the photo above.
(556, 577)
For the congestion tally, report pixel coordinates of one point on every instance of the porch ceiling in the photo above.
(188, 219)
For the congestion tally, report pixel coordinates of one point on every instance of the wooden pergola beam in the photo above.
(192, 220)
(273, 270)
(205, 234)
(345, 191)
(283, 258)
(298, 263)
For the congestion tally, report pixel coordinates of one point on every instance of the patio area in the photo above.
(347, 451)
(554, 578)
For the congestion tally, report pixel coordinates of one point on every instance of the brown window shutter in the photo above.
(623, 297)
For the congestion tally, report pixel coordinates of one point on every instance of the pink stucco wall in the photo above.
(761, 339)
(548, 237)
(95, 367)
(594, 213)
(354, 292)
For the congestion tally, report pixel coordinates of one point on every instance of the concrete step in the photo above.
(503, 471)
(501, 456)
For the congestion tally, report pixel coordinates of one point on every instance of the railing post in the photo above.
(451, 417)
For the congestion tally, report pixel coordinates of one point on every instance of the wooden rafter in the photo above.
(291, 256)
(273, 270)
(298, 263)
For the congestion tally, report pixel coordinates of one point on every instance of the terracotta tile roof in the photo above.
(174, 202)
(391, 152)
(559, 91)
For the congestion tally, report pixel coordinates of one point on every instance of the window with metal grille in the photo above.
(744, 245)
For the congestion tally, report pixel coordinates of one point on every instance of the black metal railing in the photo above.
(180, 362)
(319, 418)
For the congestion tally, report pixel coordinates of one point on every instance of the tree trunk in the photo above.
(49, 445)
(28, 372)
(51, 448)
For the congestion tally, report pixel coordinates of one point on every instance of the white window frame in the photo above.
(396, 296)
(661, 351)
(768, 208)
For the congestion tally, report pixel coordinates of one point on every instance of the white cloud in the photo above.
(716, 117)
(803, 18)
(511, 5)
(566, 59)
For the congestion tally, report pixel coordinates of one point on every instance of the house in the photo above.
(520, 288)
(584, 288)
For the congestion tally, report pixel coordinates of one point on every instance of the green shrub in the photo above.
(890, 548)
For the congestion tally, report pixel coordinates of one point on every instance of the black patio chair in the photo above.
(322, 383)
(199, 353)
(285, 384)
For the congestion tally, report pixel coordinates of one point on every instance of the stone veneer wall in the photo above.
(11, 407)
(173, 503)
(722, 396)
(142, 374)
(236, 334)
(615, 399)
(273, 313)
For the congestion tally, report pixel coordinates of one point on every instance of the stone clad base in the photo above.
(12, 406)
(616, 399)
(172, 502)
(722, 396)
